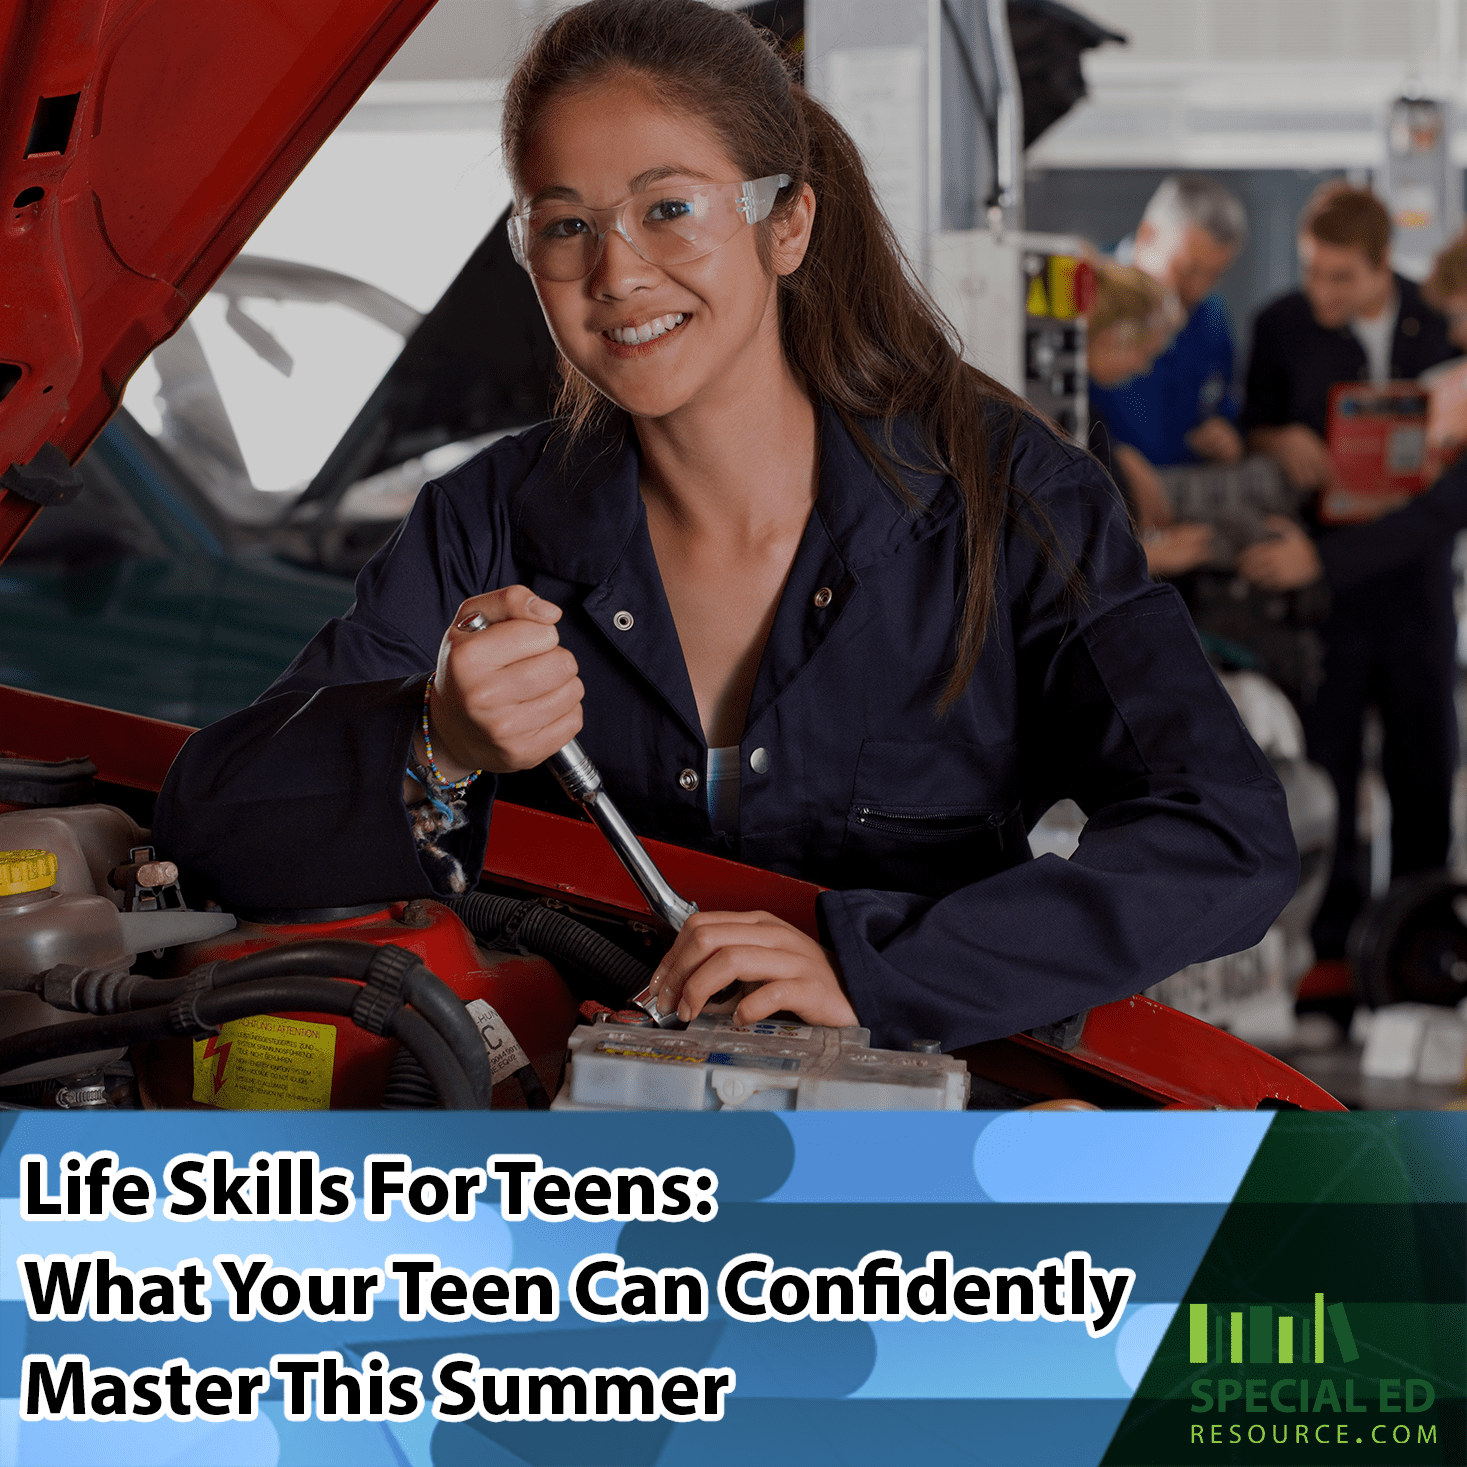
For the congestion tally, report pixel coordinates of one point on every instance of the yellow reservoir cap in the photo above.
(23, 871)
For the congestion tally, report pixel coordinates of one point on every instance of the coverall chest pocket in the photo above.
(930, 817)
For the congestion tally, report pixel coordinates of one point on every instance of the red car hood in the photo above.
(141, 143)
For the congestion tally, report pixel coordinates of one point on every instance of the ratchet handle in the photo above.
(581, 780)
(578, 777)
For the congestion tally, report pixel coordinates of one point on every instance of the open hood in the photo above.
(141, 143)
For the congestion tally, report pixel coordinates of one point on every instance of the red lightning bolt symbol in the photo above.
(212, 1048)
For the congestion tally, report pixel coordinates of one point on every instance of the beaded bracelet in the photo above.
(439, 785)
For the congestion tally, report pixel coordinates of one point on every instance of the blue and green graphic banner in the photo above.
(1020, 1288)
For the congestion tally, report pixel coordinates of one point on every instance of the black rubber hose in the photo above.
(328, 996)
(437, 1059)
(315, 995)
(531, 1088)
(329, 957)
(148, 993)
(115, 989)
(553, 935)
(306, 959)
(408, 1087)
(110, 1031)
(424, 990)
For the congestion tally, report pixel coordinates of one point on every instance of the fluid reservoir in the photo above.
(42, 924)
(46, 919)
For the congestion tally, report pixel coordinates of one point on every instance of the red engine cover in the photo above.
(527, 993)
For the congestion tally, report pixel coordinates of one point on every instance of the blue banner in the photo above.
(269, 1289)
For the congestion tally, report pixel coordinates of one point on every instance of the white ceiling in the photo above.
(1202, 83)
(1255, 83)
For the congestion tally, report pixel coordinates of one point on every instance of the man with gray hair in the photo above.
(1182, 410)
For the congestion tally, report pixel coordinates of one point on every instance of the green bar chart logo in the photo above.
(1276, 1336)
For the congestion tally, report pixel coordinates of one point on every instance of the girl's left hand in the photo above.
(793, 971)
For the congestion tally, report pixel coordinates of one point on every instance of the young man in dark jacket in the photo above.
(1391, 634)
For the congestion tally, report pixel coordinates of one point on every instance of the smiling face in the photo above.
(655, 339)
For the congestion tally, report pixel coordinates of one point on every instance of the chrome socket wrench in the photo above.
(581, 780)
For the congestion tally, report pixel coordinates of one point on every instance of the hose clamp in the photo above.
(507, 939)
(381, 997)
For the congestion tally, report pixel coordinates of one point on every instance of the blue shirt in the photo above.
(943, 924)
(1192, 380)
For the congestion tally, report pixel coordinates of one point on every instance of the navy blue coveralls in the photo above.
(1392, 631)
(943, 924)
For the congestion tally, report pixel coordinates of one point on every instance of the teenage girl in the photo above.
(811, 591)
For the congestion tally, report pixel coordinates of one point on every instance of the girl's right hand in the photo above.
(507, 697)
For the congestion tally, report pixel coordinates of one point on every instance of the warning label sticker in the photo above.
(663, 1052)
(264, 1063)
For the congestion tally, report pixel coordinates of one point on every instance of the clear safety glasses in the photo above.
(667, 225)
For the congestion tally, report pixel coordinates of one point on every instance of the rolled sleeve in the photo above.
(296, 801)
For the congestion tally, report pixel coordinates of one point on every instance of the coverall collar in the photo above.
(583, 521)
(574, 517)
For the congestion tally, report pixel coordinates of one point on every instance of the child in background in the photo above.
(1130, 325)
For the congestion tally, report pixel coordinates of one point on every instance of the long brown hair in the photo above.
(867, 340)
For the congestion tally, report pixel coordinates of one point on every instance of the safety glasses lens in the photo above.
(668, 225)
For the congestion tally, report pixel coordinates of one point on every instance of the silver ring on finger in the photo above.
(474, 623)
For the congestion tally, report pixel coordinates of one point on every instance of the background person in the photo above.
(1446, 289)
(1181, 410)
(1390, 637)
(1132, 321)
(1130, 324)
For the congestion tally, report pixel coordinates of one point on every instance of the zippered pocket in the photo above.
(926, 826)
(930, 817)
(928, 851)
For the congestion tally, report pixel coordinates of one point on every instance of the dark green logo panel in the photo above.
(1326, 1322)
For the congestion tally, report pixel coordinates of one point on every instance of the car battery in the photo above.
(717, 1064)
